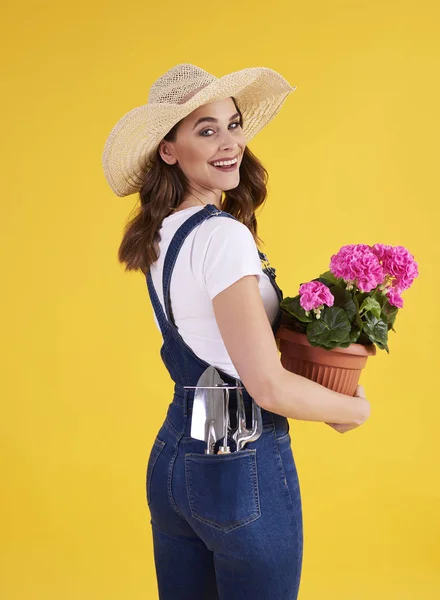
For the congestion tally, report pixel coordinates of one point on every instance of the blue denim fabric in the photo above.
(225, 526)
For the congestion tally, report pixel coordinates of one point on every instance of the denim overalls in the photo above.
(225, 526)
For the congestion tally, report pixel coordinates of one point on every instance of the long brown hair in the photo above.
(163, 190)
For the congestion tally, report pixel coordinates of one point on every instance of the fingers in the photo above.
(360, 391)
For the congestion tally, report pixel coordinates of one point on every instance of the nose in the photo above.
(228, 141)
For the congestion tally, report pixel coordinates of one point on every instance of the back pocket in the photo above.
(222, 489)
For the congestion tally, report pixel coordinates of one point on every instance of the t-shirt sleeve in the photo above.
(230, 253)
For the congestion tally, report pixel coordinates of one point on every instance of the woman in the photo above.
(225, 526)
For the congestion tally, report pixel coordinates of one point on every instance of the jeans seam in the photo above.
(170, 474)
(294, 516)
(284, 437)
(158, 446)
(172, 429)
(280, 462)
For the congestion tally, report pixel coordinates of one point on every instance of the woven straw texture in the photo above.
(259, 92)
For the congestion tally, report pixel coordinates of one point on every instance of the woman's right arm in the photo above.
(249, 340)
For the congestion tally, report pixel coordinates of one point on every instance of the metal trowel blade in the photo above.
(207, 419)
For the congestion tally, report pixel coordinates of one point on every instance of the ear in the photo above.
(166, 151)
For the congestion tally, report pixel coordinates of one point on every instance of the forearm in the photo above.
(297, 397)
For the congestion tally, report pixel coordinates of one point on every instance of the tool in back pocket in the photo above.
(210, 414)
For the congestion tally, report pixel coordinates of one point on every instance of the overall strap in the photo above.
(163, 318)
(173, 250)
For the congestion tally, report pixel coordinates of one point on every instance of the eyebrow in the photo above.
(212, 119)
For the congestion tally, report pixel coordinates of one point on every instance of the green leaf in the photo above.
(376, 329)
(291, 322)
(323, 281)
(354, 334)
(362, 295)
(332, 329)
(344, 299)
(363, 339)
(372, 305)
(328, 276)
(389, 313)
(293, 307)
(358, 319)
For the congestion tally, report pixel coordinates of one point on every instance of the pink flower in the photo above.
(398, 263)
(314, 294)
(358, 264)
(394, 297)
(382, 251)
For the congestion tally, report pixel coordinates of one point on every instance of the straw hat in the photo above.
(129, 149)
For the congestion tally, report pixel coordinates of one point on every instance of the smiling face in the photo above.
(210, 133)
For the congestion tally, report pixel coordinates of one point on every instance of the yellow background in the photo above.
(352, 157)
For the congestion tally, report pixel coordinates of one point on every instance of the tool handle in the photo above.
(213, 387)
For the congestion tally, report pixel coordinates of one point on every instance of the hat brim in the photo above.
(259, 91)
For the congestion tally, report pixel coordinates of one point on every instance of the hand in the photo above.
(343, 427)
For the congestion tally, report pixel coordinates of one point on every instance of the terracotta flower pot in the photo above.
(338, 369)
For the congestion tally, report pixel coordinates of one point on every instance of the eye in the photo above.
(210, 129)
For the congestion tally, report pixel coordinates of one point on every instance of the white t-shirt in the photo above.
(214, 255)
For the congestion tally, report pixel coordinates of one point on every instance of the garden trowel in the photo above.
(208, 413)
